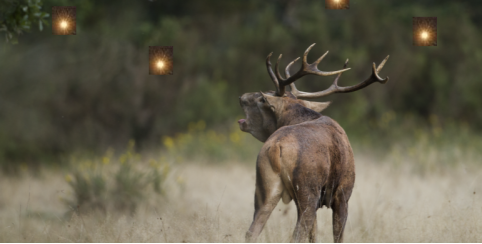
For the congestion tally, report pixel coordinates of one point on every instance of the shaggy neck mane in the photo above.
(295, 113)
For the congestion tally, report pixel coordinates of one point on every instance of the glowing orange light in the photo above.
(160, 64)
(424, 35)
(64, 24)
(336, 1)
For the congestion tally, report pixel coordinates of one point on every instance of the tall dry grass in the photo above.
(392, 202)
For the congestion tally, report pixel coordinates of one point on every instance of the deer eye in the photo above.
(262, 100)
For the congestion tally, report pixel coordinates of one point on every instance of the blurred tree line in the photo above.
(60, 94)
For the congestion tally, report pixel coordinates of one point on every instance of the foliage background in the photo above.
(91, 91)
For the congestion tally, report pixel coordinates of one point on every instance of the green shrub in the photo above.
(118, 184)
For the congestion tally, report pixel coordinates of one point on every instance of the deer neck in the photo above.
(293, 114)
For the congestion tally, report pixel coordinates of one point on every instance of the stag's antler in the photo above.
(305, 69)
(334, 88)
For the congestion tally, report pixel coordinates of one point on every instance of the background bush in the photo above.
(91, 91)
(114, 183)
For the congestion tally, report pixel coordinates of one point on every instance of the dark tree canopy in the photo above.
(18, 16)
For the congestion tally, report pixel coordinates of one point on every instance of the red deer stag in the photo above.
(306, 156)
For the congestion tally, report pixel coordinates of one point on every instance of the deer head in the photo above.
(261, 120)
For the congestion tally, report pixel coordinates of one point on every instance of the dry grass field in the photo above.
(214, 203)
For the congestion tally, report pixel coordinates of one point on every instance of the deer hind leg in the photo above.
(340, 214)
(313, 231)
(306, 225)
(268, 193)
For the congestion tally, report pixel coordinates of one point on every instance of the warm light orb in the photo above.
(64, 24)
(336, 1)
(424, 35)
(160, 64)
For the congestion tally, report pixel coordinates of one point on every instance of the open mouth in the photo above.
(242, 124)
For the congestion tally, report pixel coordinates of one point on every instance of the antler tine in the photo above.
(305, 69)
(319, 60)
(271, 73)
(335, 82)
(287, 74)
(278, 75)
(375, 71)
(383, 81)
(300, 94)
(281, 87)
(382, 64)
(305, 55)
(287, 69)
(334, 88)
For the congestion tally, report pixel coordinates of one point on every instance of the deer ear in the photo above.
(316, 106)
(272, 101)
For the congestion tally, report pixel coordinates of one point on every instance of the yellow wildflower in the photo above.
(168, 142)
(68, 178)
(234, 137)
(105, 160)
(123, 158)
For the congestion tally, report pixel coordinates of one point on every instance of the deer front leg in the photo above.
(268, 193)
